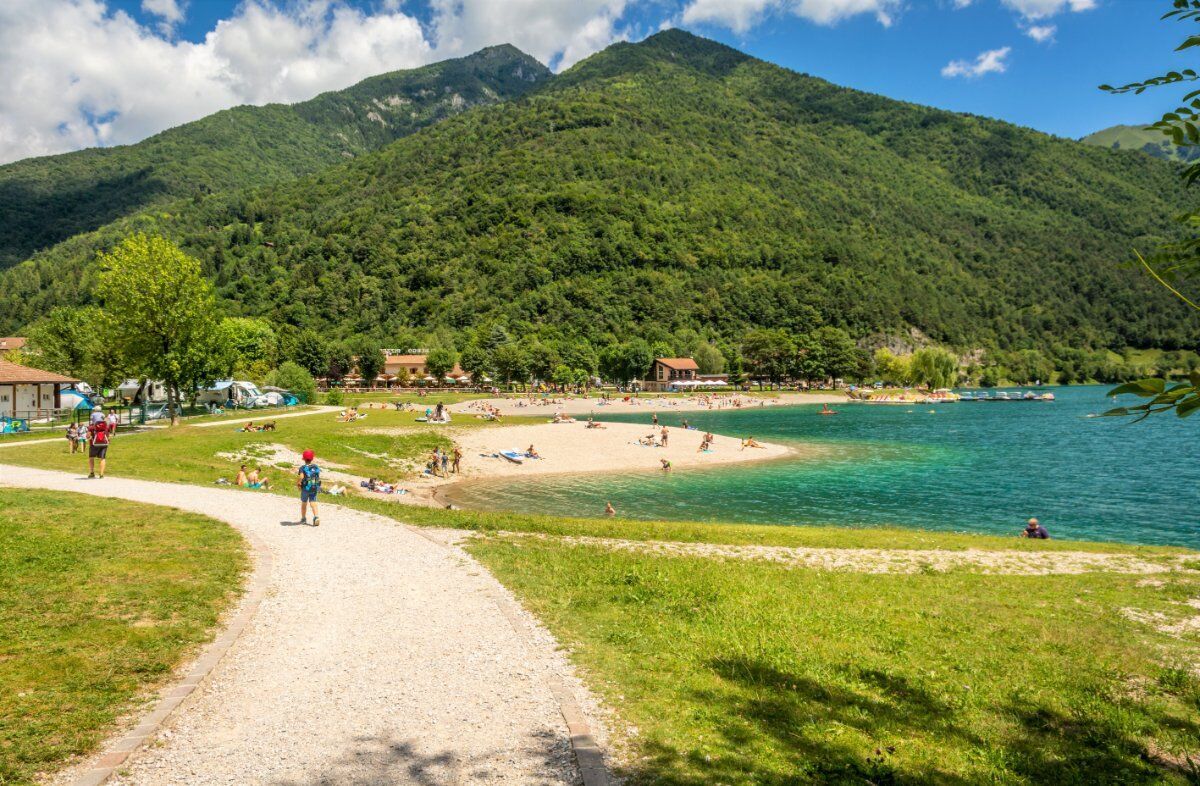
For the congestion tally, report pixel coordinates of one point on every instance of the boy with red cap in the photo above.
(308, 480)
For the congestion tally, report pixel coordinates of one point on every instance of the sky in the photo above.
(87, 73)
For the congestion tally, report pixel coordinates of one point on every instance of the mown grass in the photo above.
(99, 600)
(190, 454)
(750, 673)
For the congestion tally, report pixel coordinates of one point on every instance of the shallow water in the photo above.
(980, 467)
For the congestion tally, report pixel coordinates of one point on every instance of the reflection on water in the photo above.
(983, 467)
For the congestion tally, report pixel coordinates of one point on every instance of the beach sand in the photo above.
(574, 448)
(647, 404)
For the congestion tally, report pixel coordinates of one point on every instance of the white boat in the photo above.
(514, 456)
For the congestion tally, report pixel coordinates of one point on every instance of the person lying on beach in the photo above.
(750, 442)
(593, 424)
(704, 445)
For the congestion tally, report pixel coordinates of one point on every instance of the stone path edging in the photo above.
(119, 753)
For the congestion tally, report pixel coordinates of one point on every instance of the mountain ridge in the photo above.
(679, 185)
(47, 199)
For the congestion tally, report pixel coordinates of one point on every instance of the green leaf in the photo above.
(1119, 412)
(1145, 388)
(1187, 407)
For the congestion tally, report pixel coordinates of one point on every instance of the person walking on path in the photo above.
(73, 437)
(98, 436)
(308, 480)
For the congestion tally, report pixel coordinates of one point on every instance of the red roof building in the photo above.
(29, 392)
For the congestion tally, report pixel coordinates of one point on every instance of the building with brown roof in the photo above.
(668, 371)
(30, 392)
(10, 344)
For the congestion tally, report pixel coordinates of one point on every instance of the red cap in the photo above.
(309, 455)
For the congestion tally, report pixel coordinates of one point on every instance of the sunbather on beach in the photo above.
(532, 453)
(750, 442)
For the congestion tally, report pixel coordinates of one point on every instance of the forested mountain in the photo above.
(676, 184)
(1138, 138)
(46, 200)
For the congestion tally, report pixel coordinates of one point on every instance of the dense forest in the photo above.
(678, 186)
(46, 200)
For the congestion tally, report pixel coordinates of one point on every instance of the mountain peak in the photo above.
(672, 45)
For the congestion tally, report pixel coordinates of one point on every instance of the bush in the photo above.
(334, 398)
(292, 377)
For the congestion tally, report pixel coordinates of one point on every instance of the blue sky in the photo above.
(114, 71)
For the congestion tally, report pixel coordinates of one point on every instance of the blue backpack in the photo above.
(312, 477)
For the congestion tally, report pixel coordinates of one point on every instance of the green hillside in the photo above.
(678, 184)
(1138, 138)
(46, 200)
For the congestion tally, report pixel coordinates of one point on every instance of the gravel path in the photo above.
(379, 655)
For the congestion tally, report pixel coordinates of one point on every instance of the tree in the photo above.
(73, 341)
(368, 359)
(339, 361)
(934, 368)
(708, 358)
(475, 361)
(510, 362)
(294, 378)
(770, 354)
(439, 362)
(563, 376)
(160, 312)
(311, 353)
(543, 359)
(249, 345)
(891, 368)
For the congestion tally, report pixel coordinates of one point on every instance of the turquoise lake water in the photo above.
(972, 467)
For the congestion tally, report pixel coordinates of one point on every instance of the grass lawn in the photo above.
(99, 600)
(189, 454)
(750, 673)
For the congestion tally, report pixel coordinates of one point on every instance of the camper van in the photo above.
(240, 392)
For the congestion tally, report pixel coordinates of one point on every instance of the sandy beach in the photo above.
(578, 405)
(574, 448)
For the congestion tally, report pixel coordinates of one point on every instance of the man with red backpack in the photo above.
(308, 480)
(99, 435)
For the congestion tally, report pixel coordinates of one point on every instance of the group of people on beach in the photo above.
(443, 462)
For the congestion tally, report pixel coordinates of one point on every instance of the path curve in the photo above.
(378, 655)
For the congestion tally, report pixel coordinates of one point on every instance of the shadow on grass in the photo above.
(814, 733)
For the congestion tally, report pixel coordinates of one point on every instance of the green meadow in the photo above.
(99, 600)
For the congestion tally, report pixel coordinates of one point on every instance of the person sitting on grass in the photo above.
(257, 481)
(1035, 530)
(308, 480)
(242, 478)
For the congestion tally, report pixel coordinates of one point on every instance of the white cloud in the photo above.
(557, 32)
(741, 15)
(1041, 33)
(989, 62)
(1042, 9)
(169, 10)
(80, 74)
